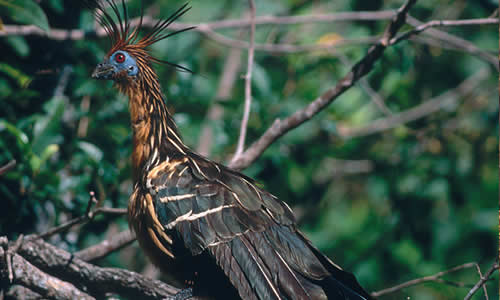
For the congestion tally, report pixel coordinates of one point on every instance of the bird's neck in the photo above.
(155, 135)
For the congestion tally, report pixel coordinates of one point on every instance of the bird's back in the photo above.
(206, 214)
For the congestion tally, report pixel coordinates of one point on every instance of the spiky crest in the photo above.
(119, 30)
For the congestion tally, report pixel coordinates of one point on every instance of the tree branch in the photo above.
(21, 292)
(442, 23)
(7, 167)
(36, 280)
(228, 78)
(77, 34)
(102, 249)
(281, 48)
(435, 277)
(455, 42)
(280, 127)
(447, 99)
(482, 280)
(94, 280)
(89, 215)
(248, 85)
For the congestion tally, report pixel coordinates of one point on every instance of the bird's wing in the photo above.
(250, 234)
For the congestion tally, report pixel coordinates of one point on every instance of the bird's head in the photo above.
(119, 64)
(129, 59)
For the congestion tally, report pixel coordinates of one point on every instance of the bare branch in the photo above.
(95, 281)
(282, 48)
(83, 124)
(248, 85)
(482, 281)
(102, 249)
(77, 34)
(63, 81)
(280, 127)
(209, 27)
(442, 23)
(7, 167)
(454, 41)
(228, 78)
(435, 277)
(316, 18)
(365, 85)
(485, 290)
(447, 99)
(89, 215)
(36, 280)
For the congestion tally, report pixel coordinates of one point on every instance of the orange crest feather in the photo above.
(121, 35)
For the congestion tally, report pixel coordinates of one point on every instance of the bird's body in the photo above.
(199, 220)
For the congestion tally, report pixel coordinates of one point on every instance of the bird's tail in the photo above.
(280, 263)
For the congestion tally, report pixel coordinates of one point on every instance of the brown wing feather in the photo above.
(251, 236)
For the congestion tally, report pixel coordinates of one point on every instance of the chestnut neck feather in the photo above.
(155, 134)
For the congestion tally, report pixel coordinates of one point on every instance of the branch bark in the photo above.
(248, 85)
(482, 280)
(77, 34)
(435, 277)
(34, 279)
(455, 42)
(93, 280)
(105, 247)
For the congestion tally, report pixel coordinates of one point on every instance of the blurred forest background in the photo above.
(396, 180)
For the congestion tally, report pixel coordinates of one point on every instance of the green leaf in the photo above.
(57, 5)
(22, 79)
(19, 45)
(26, 12)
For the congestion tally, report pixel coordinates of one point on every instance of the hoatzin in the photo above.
(196, 218)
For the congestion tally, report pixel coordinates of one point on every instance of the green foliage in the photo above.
(427, 202)
(25, 12)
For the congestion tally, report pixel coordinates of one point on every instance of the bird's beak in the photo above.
(104, 71)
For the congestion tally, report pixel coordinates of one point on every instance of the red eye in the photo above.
(120, 58)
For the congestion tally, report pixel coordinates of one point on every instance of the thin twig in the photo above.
(453, 41)
(442, 23)
(77, 34)
(231, 68)
(360, 69)
(485, 290)
(89, 215)
(282, 48)
(447, 99)
(209, 27)
(314, 18)
(10, 252)
(83, 124)
(365, 85)
(416, 281)
(482, 281)
(7, 167)
(62, 83)
(248, 85)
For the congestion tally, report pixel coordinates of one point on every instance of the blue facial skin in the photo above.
(129, 64)
(110, 67)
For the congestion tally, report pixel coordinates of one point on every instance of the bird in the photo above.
(207, 225)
